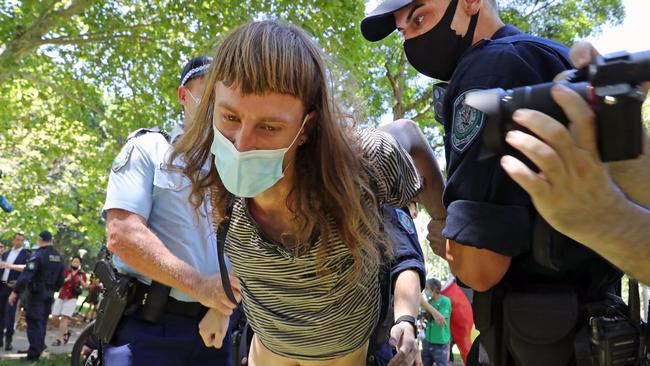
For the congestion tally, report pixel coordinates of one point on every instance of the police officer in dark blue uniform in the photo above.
(532, 284)
(43, 275)
(407, 265)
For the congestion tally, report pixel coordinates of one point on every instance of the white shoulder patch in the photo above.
(123, 157)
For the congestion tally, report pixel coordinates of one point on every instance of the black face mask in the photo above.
(436, 52)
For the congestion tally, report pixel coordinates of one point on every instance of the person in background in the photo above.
(462, 319)
(437, 335)
(43, 275)
(92, 299)
(65, 305)
(13, 262)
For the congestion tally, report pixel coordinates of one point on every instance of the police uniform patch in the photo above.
(31, 266)
(466, 124)
(122, 158)
(405, 221)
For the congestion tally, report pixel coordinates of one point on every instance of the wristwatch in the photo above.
(409, 319)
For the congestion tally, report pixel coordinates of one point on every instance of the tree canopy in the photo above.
(77, 76)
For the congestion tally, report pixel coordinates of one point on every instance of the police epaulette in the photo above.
(143, 131)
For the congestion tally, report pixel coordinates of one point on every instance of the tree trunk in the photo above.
(27, 40)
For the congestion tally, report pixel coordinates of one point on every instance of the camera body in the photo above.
(611, 87)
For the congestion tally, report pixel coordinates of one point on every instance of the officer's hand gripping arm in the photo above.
(131, 240)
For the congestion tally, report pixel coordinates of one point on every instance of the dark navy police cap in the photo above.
(381, 22)
(196, 67)
(45, 235)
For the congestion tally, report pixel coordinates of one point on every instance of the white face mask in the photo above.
(248, 174)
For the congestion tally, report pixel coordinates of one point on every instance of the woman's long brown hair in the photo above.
(331, 182)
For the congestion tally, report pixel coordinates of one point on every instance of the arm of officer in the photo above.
(408, 135)
(131, 240)
(479, 269)
(129, 200)
(408, 275)
(410, 138)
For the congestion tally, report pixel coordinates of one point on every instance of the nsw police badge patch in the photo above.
(122, 158)
(405, 221)
(466, 124)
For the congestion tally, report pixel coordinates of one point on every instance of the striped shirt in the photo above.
(295, 311)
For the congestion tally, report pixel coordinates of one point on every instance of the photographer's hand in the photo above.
(632, 176)
(573, 190)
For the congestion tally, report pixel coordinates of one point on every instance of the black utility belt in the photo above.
(126, 296)
(552, 327)
(154, 300)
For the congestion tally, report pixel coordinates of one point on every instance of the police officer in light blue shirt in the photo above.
(161, 239)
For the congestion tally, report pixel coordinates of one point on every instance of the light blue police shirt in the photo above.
(143, 183)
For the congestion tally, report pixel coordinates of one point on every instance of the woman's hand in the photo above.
(213, 328)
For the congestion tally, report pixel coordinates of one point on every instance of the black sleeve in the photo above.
(26, 276)
(59, 280)
(407, 253)
(486, 209)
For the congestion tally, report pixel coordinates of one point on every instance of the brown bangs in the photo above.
(269, 58)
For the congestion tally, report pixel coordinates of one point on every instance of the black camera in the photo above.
(610, 85)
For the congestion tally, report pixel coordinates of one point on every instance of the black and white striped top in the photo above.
(296, 312)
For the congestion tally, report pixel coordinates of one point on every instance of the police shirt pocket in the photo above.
(170, 179)
(171, 198)
(540, 327)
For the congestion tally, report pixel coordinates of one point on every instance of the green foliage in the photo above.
(77, 76)
(563, 21)
(52, 360)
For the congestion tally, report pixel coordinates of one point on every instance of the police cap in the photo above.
(381, 21)
(45, 235)
(196, 67)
